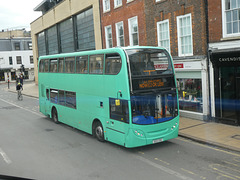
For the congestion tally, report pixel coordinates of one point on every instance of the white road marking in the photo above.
(165, 169)
(5, 157)
(22, 108)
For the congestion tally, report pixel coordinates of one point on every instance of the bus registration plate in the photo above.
(157, 140)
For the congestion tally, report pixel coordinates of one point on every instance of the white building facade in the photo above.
(14, 53)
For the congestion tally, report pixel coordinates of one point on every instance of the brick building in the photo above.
(224, 50)
(122, 23)
(180, 27)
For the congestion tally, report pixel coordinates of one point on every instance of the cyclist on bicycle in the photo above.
(19, 88)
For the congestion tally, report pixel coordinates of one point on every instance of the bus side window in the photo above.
(61, 98)
(46, 65)
(96, 64)
(82, 64)
(47, 94)
(54, 96)
(60, 65)
(53, 65)
(70, 65)
(41, 66)
(113, 64)
(71, 99)
(119, 112)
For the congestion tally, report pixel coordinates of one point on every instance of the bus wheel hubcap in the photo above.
(99, 132)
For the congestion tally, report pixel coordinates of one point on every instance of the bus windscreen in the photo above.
(149, 62)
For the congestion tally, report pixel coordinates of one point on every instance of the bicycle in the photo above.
(19, 95)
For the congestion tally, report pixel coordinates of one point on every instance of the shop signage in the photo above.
(226, 58)
(178, 65)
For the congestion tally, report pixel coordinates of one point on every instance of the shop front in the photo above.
(226, 68)
(192, 88)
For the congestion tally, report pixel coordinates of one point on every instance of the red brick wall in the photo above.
(123, 13)
(215, 20)
(170, 10)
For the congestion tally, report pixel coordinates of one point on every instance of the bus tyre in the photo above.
(55, 115)
(98, 131)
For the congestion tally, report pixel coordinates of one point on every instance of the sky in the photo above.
(16, 14)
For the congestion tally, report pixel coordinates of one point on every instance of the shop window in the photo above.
(119, 109)
(190, 94)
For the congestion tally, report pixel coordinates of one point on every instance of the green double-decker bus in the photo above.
(127, 96)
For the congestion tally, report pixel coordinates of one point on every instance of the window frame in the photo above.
(19, 59)
(101, 66)
(117, 3)
(130, 23)
(119, 24)
(168, 33)
(106, 6)
(224, 19)
(105, 64)
(107, 38)
(180, 54)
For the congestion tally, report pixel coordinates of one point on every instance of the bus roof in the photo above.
(110, 50)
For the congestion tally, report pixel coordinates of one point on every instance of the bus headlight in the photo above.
(139, 133)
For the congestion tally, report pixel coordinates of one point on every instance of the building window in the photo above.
(29, 45)
(190, 94)
(120, 34)
(19, 60)
(163, 34)
(231, 18)
(66, 36)
(106, 5)
(41, 44)
(85, 30)
(108, 36)
(31, 59)
(17, 45)
(117, 3)
(10, 61)
(133, 31)
(52, 40)
(184, 27)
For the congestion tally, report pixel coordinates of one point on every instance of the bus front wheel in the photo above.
(98, 131)
(55, 115)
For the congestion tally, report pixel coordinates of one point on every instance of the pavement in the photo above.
(215, 134)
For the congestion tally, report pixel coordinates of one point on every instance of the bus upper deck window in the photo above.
(113, 63)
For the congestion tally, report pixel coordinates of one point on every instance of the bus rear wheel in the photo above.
(55, 115)
(98, 131)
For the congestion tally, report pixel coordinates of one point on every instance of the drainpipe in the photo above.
(208, 59)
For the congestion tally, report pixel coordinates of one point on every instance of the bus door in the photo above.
(47, 101)
(118, 123)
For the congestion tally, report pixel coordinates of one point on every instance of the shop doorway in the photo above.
(229, 94)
